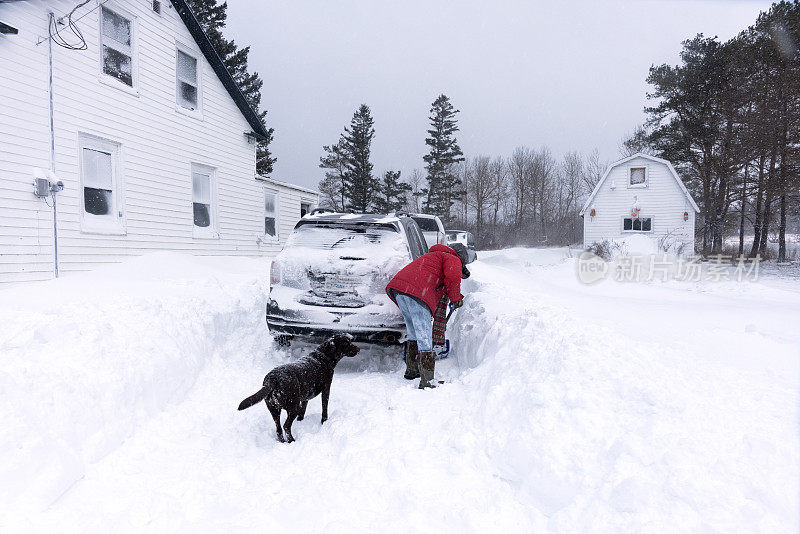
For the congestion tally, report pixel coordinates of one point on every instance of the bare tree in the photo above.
(416, 180)
(593, 170)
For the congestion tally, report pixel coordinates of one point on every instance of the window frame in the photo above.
(271, 238)
(108, 79)
(307, 202)
(117, 223)
(212, 230)
(632, 231)
(646, 177)
(189, 51)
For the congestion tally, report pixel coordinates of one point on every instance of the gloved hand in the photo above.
(458, 303)
(464, 272)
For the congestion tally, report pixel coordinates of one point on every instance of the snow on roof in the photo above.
(645, 156)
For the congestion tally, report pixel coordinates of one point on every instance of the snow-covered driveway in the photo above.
(616, 407)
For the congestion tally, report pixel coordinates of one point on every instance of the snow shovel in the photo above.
(443, 351)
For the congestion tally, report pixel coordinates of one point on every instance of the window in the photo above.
(203, 201)
(100, 198)
(637, 224)
(270, 213)
(305, 207)
(638, 176)
(187, 80)
(116, 36)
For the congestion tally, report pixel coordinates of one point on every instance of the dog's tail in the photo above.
(255, 398)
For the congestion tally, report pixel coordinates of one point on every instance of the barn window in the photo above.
(305, 207)
(102, 210)
(117, 36)
(270, 213)
(203, 201)
(187, 84)
(637, 224)
(638, 176)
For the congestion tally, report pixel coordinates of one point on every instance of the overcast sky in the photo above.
(569, 75)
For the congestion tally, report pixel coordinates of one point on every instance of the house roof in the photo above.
(645, 156)
(210, 53)
(282, 183)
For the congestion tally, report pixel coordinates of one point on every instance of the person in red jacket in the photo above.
(416, 290)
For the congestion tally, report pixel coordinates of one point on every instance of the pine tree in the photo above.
(444, 151)
(212, 17)
(391, 191)
(332, 186)
(359, 184)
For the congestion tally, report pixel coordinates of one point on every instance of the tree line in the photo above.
(727, 117)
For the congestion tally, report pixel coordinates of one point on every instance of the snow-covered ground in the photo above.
(630, 407)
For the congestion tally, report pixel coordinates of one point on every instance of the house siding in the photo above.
(662, 200)
(158, 143)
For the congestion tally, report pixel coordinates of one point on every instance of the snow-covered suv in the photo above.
(332, 273)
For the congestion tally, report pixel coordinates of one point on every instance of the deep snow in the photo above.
(613, 407)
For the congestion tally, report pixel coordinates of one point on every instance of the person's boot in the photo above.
(412, 361)
(427, 363)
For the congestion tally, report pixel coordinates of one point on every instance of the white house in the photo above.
(130, 107)
(641, 194)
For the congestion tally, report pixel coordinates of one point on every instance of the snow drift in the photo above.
(87, 359)
(568, 408)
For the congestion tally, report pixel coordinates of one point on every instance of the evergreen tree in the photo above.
(444, 151)
(359, 184)
(391, 191)
(212, 17)
(332, 186)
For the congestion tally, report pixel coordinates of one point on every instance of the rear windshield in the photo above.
(426, 225)
(356, 237)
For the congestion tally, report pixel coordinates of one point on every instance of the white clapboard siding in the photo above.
(158, 144)
(664, 200)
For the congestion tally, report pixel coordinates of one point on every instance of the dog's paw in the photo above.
(301, 417)
(323, 420)
(280, 438)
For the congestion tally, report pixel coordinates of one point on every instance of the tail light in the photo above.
(275, 273)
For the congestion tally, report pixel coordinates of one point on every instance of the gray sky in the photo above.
(569, 75)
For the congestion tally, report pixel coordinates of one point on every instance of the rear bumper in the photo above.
(318, 324)
(316, 333)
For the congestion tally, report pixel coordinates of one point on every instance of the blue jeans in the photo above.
(419, 322)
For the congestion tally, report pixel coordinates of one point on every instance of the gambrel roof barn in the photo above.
(641, 194)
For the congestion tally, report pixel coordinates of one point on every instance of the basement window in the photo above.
(637, 224)
(116, 36)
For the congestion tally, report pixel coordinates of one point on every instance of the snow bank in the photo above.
(87, 358)
(568, 408)
(635, 432)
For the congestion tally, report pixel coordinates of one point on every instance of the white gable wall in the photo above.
(158, 145)
(662, 200)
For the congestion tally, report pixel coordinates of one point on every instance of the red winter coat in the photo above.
(429, 277)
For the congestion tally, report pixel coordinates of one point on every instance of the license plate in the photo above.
(339, 284)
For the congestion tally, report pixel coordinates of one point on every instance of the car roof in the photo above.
(353, 217)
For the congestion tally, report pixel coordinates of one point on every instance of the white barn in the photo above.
(148, 132)
(641, 194)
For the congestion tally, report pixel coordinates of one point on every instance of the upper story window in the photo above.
(117, 37)
(638, 177)
(187, 88)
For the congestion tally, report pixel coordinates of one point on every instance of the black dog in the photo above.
(290, 386)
